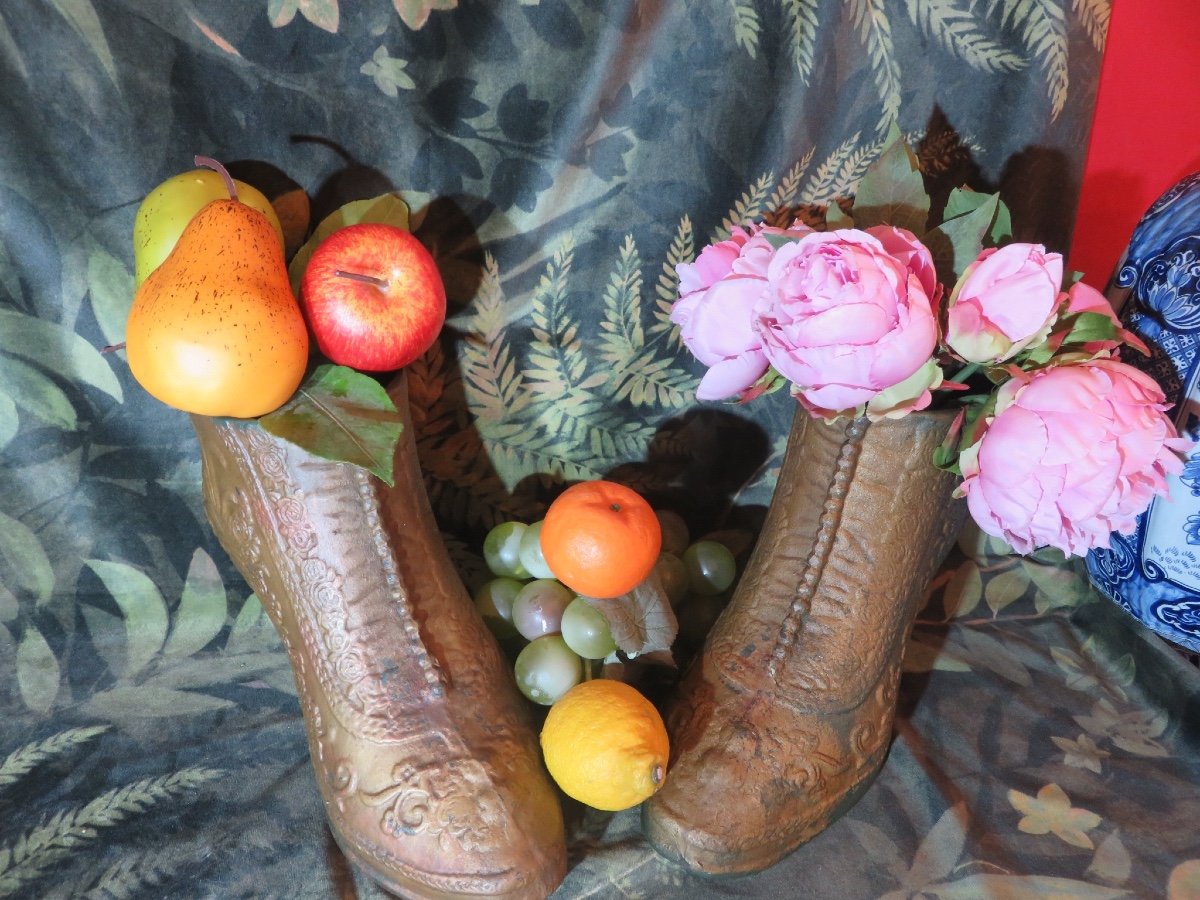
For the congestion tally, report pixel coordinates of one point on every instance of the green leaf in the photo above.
(82, 16)
(415, 13)
(9, 607)
(143, 608)
(9, 422)
(37, 671)
(110, 286)
(36, 393)
(964, 200)
(956, 243)
(252, 629)
(202, 608)
(965, 590)
(386, 209)
(207, 670)
(1091, 326)
(926, 653)
(58, 349)
(23, 561)
(343, 416)
(836, 218)
(892, 191)
(148, 702)
(1004, 588)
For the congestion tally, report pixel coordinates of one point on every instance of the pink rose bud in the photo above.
(1005, 301)
(1073, 453)
(845, 322)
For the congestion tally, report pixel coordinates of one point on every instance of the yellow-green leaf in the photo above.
(252, 629)
(58, 349)
(23, 561)
(35, 392)
(9, 421)
(202, 608)
(110, 286)
(1003, 588)
(37, 671)
(142, 607)
(386, 209)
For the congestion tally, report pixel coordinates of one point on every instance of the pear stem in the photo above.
(380, 283)
(112, 348)
(209, 163)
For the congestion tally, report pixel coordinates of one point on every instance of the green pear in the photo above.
(166, 211)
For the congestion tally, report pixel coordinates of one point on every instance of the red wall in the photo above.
(1146, 131)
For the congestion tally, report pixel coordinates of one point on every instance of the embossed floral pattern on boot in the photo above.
(422, 749)
(785, 716)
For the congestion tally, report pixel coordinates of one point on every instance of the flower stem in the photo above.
(965, 372)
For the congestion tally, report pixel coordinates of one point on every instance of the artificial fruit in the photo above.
(166, 211)
(215, 329)
(373, 297)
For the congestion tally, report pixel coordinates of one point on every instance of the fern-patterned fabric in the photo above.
(560, 157)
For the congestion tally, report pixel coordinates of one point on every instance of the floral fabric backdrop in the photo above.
(560, 157)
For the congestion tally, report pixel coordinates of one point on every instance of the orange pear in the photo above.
(216, 329)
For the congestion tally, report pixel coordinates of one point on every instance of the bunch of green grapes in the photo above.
(563, 634)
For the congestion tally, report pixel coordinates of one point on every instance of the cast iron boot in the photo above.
(423, 751)
(785, 717)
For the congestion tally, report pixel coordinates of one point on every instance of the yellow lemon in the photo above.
(605, 745)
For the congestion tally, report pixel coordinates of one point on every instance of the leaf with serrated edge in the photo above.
(642, 620)
(341, 415)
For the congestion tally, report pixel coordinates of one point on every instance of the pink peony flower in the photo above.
(906, 247)
(1071, 454)
(715, 309)
(849, 325)
(1005, 301)
(1085, 298)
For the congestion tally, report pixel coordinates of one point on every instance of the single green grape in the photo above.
(502, 550)
(586, 630)
(546, 668)
(675, 534)
(711, 567)
(673, 572)
(494, 600)
(531, 552)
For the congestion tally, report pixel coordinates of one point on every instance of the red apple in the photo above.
(373, 297)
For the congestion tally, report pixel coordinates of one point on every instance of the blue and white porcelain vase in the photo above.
(1154, 573)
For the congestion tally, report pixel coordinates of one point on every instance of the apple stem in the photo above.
(359, 276)
(112, 348)
(209, 163)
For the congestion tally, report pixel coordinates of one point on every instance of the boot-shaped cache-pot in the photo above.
(785, 716)
(423, 751)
